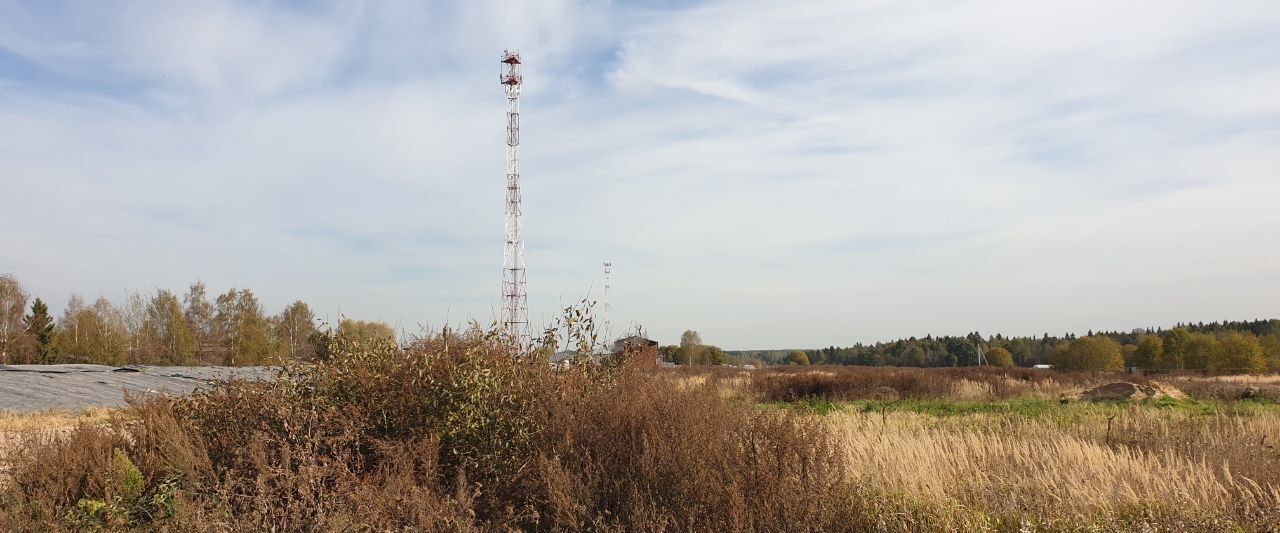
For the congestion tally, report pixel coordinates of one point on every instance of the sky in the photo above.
(769, 174)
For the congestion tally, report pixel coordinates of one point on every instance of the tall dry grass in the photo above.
(1160, 468)
(1230, 388)
(837, 384)
(19, 426)
(453, 433)
(22, 422)
(840, 384)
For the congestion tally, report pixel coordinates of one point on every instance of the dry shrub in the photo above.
(973, 383)
(648, 456)
(58, 470)
(451, 433)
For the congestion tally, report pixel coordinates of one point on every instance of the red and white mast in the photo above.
(515, 304)
(608, 305)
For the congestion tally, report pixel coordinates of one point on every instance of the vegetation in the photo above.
(1000, 357)
(450, 433)
(798, 357)
(453, 432)
(692, 351)
(39, 327)
(1217, 348)
(13, 300)
(1089, 353)
(164, 329)
(855, 383)
(234, 329)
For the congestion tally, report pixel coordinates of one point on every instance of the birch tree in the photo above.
(13, 301)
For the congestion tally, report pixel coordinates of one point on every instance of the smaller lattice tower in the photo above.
(608, 303)
(515, 300)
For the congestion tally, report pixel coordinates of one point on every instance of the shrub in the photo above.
(847, 383)
(1239, 354)
(1096, 353)
(450, 433)
(1000, 358)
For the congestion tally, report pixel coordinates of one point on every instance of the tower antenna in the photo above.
(515, 304)
(608, 302)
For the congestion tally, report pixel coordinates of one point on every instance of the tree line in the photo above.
(1228, 347)
(691, 351)
(163, 328)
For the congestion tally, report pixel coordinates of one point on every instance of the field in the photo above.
(453, 434)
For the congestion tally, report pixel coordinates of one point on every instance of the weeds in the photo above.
(450, 433)
(839, 384)
(454, 433)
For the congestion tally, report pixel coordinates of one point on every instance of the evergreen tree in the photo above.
(39, 326)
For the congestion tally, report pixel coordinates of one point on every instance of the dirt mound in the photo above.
(1168, 390)
(1124, 391)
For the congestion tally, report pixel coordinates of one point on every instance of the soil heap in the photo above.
(1123, 391)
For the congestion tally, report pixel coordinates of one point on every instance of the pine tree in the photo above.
(39, 325)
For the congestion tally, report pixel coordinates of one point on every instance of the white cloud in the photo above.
(769, 174)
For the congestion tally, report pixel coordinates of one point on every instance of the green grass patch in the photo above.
(941, 407)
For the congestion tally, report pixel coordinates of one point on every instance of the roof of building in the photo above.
(563, 355)
(634, 339)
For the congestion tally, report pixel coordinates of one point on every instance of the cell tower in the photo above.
(608, 303)
(515, 304)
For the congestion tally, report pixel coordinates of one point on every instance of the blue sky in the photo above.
(771, 174)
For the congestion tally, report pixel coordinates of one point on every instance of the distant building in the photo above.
(563, 358)
(1042, 367)
(633, 346)
(637, 347)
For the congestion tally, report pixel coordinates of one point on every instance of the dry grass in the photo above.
(451, 434)
(843, 384)
(839, 384)
(1229, 388)
(1159, 464)
(454, 434)
(15, 426)
(19, 422)
(1267, 379)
